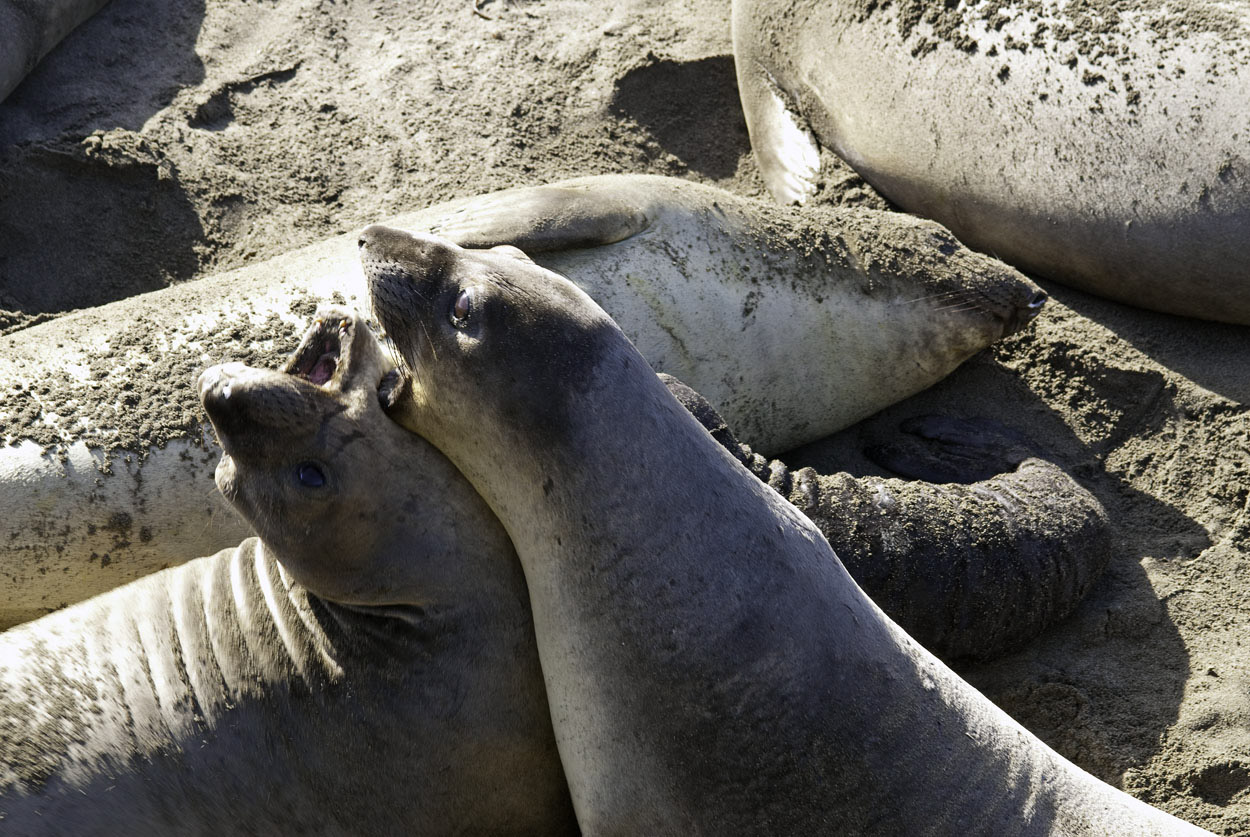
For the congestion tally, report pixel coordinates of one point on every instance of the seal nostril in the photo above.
(1038, 300)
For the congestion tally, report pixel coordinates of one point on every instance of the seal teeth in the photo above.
(320, 353)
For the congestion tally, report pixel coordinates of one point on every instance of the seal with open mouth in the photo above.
(711, 666)
(365, 666)
(793, 324)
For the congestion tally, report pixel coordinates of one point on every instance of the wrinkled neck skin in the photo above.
(222, 686)
(657, 567)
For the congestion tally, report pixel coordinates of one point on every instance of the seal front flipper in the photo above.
(541, 219)
(785, 148)
(946, 449)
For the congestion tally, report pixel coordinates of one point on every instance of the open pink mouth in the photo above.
(321, 353)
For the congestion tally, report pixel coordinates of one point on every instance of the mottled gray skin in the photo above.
(103, 455)
(711, 666)
(225, 697)
(1104, 145)
(967, 570)
(30, 28)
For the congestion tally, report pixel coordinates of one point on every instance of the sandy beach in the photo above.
(164, 141)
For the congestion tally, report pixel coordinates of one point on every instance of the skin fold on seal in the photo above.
(103, 462)
(1103, 145)
(30, 28)
(710, 665)
(366, 666)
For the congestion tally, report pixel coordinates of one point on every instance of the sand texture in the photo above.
(166, 139)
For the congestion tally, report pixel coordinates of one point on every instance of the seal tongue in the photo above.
(324, 368)
(321, 353)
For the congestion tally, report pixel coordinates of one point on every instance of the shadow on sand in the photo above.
(662, 95)
(82, 196)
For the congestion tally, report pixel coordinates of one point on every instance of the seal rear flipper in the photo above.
(945, 449)
(541, 219)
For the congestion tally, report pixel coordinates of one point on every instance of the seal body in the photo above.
(1103, 147)
(225, 696)
(715, 670)
(968, 570)
(104, 464)
(30, 28)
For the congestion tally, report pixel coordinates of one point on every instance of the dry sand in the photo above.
(163, 140)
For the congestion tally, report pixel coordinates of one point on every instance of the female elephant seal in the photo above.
(103, 457)
(366, 666)
(710, 665)
(1103, 145)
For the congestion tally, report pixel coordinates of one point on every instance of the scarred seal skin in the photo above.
(1103, 145)
(225, 696)
(793, 324)
(30, 28)
(711, 666)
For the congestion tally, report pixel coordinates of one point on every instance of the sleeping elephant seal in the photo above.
(1103, 145)
(793, 324)
(711, 667)
(366, 667)
(30, 28)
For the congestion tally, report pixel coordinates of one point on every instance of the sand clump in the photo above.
(163, 141)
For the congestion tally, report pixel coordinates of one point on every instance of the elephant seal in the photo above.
(711, 666)
(103, 455)
(365, 667)
(1102, 145)
(389, 626)
(30, 28)
(968, 571)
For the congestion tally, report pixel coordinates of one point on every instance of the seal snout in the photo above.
(1027, 312)
(399, 260)
(222, 395)
(403, 270)
(216, 385)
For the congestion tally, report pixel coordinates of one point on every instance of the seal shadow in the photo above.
(661, 96)
(1212, 355)
(1103, 685)
(129, 61)
(90, 211)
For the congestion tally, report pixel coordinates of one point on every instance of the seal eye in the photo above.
(462, 308)
(311, 476)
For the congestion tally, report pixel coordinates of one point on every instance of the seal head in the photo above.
(305, 456)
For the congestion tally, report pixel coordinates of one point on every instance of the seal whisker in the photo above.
(958, 307)
(935, 296)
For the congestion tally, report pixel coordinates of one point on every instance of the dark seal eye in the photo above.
(311, 476)
(462, 308)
